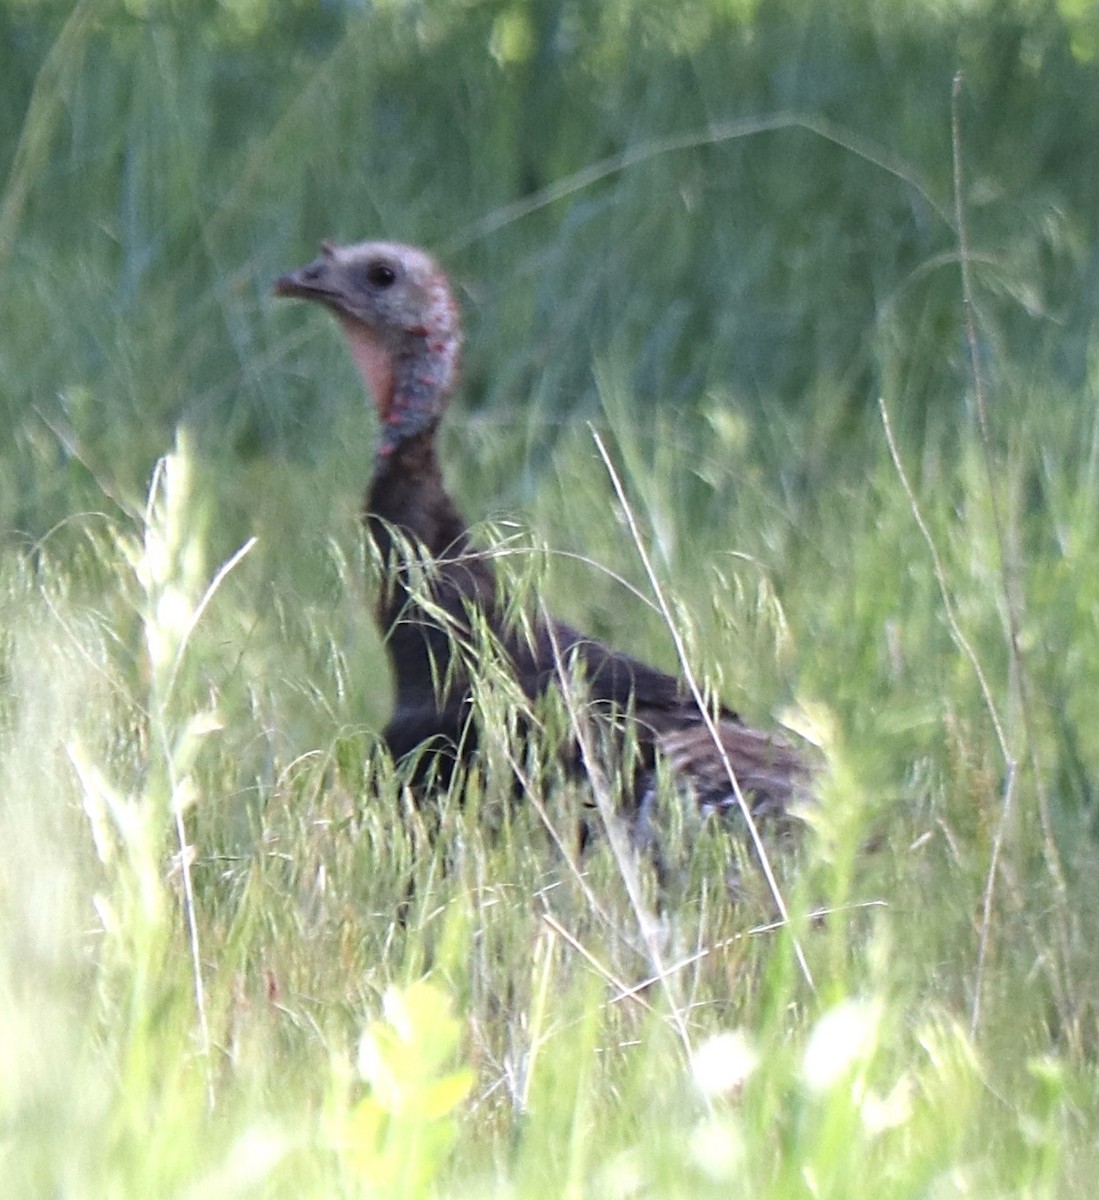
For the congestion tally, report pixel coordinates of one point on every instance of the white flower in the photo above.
(842, 1039)
(723, 1062)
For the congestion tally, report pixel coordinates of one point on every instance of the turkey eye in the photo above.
(380, 275)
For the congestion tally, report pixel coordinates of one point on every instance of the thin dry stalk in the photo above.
(700, 703)
(958, 637)
(186, 851)
(581, 728)
(1011, 772)
(725, 131)
(1010, 584)
(530, 796)
(603, 971)
(756, 931)
(196, 616)
(46, 113)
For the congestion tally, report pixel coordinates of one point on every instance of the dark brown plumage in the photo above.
(402, 328)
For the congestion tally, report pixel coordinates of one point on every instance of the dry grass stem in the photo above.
(700, 703)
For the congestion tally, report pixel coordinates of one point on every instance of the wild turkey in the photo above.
(401, 324)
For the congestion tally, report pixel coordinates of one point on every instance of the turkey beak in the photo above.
(320, 280)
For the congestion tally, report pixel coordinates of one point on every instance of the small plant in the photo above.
(396, 1139)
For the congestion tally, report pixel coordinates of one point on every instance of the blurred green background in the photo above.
(165, 160)
(717, 233)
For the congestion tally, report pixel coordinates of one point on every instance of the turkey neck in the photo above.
(407, 500)
(407, 495)
(411, 388)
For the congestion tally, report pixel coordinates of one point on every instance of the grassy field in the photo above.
(234, 959)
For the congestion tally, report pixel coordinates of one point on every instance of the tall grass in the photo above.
(237, 958)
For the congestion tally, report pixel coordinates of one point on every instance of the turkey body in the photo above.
(398, 315)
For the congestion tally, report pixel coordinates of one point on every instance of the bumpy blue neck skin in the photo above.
(422, 377)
